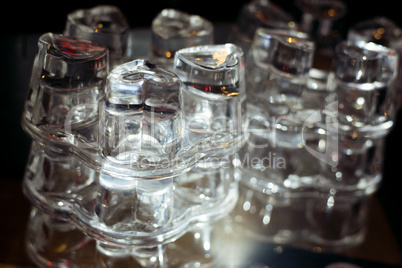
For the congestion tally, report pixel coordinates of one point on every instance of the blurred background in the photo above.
(49, 16)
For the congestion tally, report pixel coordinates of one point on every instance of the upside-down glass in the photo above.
(363, 84)
(173, 30)
(104, 25)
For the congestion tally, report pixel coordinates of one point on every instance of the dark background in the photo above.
(49, 16)
(35, 17)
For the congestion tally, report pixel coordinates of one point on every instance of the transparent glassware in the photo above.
(67, 82)
(53, 179)
(278, 66)
(141, 117)
(173, 30)
(213, 95)
(104, 25)
(324, 13)
(358, 166)
(314, 195)
(382, 31)
(333, 221)
(140, 125)
(256, 14)
(319, 20)
(299, 161)
(277, 69)
(130, 196)
(363, 82)
(197, 247)
(52, 242)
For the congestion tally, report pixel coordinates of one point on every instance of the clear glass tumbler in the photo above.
(213, 95)
(363, 84)
(256, 14)
(277, 69)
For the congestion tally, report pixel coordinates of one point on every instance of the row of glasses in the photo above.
(313, 151)
(133, 154)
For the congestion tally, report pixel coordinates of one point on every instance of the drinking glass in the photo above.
(141, 116)
(104, 25)
(382, 31)
(67, 82)
(363, 84)
(213, 94)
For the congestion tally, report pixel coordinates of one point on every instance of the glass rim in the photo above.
(294, 38)
(233, 51)
(49, 39)
(376, 50)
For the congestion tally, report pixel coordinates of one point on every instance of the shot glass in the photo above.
(104, 25)
(141, 118)
(67, 82)
(363, 82)
(278, 66)
(140, 129)
(213, 96)
(173, 30)
(382, 31)
(256, 14)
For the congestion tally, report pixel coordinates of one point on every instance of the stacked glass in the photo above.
(382, 31)
(259, 13)
(313, 153)
(126, 156)
(103, 25)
